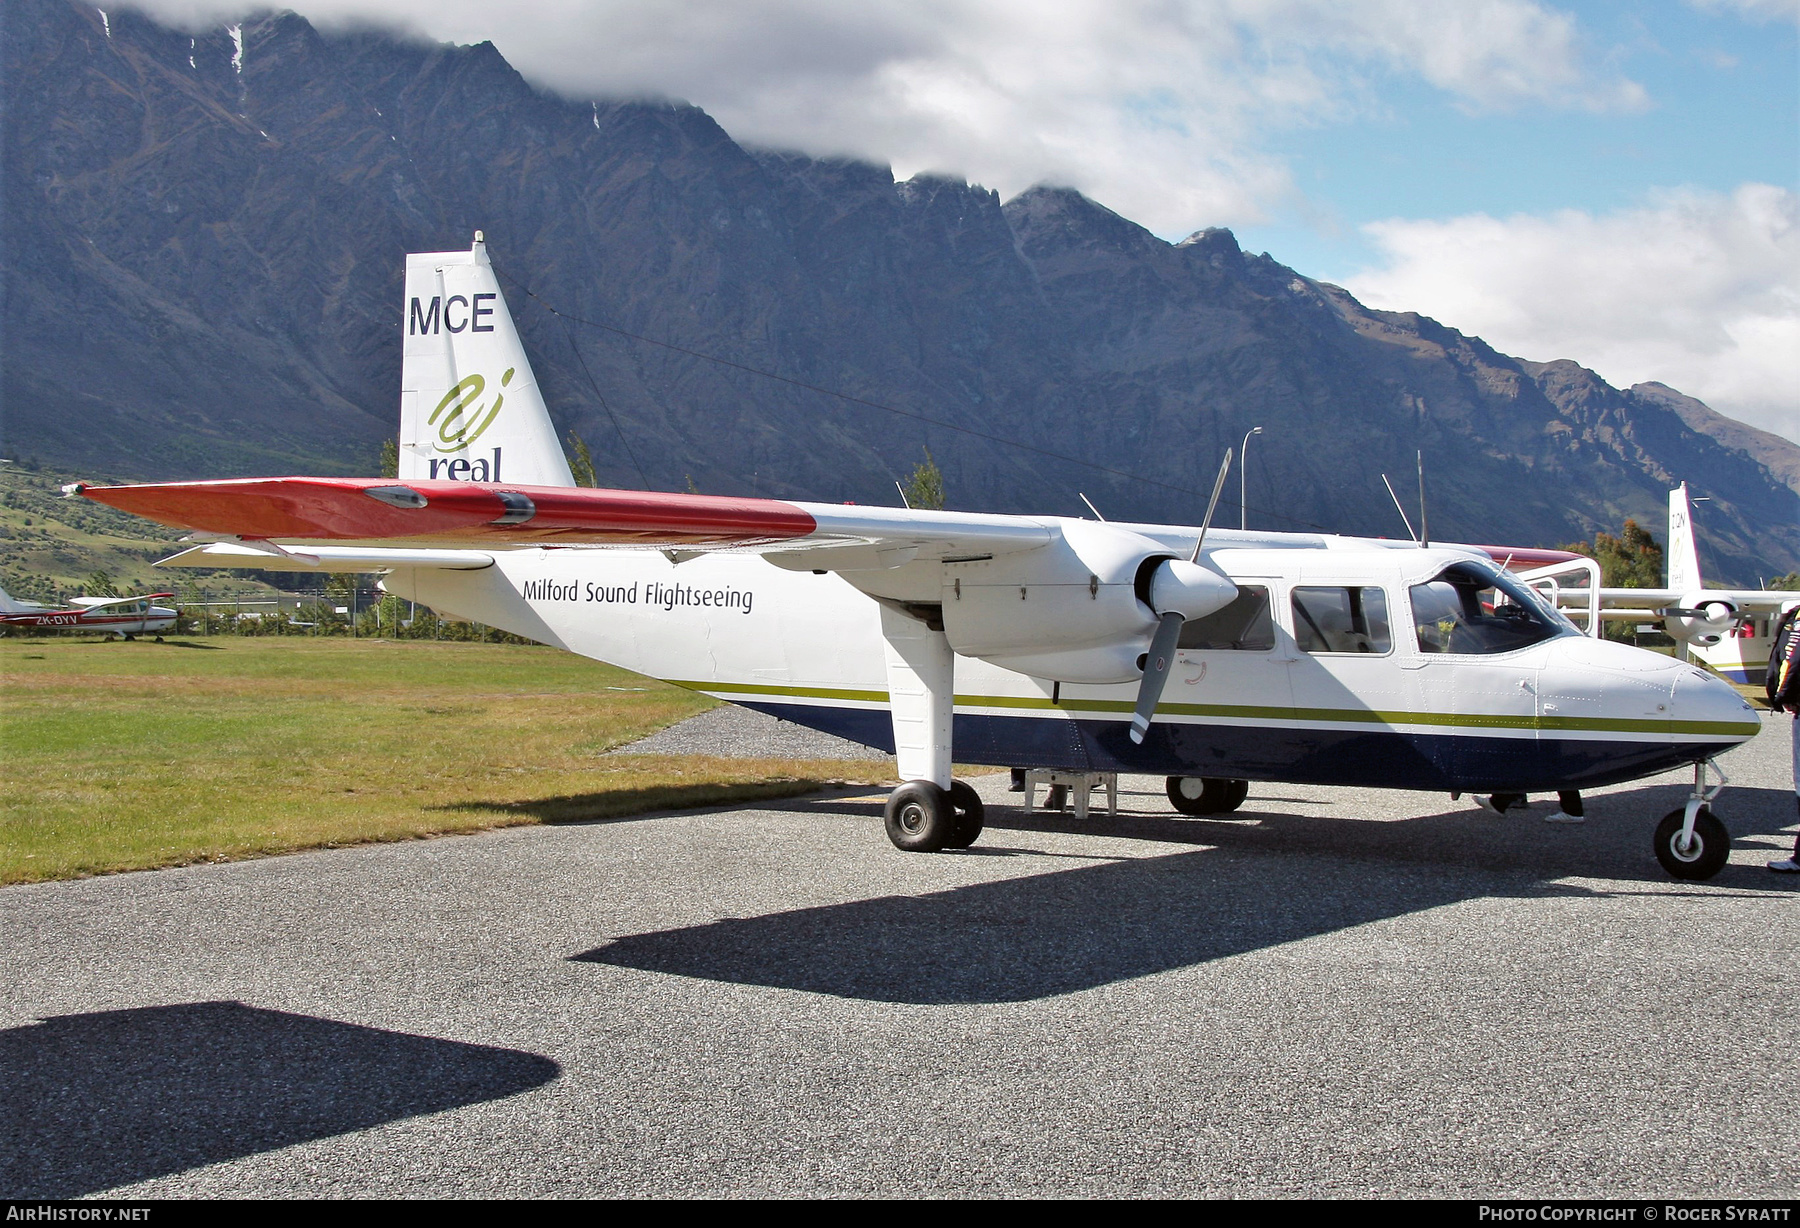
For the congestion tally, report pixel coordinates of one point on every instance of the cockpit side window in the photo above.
(1243, 625)
(1467, 610)
(1341, 620)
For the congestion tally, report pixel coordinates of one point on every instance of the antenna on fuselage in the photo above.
(1218, 485)
(1424, 528)
(1404, 519)
(1092, 508)
(904, 502)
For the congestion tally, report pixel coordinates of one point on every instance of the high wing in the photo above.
(1104, 588)
(285, 516)
(1633, 599)
(96, 605)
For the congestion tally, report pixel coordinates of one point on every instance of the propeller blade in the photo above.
(1156, 672)
(1212, 503)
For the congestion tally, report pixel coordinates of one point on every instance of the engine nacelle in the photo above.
(1700, 619)
(1079, 609)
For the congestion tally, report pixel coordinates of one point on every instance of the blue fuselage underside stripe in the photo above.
(1386, 758)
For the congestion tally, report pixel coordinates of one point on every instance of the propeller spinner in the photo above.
(1179, 590)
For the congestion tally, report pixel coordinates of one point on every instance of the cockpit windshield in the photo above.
(1470, 609)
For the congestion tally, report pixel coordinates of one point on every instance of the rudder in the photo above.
(470, 408)
(1684, 551)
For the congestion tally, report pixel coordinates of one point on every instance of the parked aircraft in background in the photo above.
(124, 617)
(1210, 658)
(1729, 629)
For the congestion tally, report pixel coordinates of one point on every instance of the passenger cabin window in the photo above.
(1470, 610)
(1341, 620)
(1244, 624)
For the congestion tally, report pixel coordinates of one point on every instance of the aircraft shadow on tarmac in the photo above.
(106, 1099)
(1256, 882)
(622, 805)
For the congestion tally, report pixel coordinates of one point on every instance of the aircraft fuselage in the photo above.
(1567, 712)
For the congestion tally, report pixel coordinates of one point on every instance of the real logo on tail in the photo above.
(458, 425)
(457, 428)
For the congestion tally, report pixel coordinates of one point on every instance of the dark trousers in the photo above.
(1570, 799)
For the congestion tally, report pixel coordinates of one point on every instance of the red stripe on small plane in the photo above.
(1529, 556)
(325, 509)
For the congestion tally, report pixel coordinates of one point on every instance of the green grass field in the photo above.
(121, 756)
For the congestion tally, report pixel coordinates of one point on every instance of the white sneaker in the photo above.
(1563, 816)
(1786, 866)
(1486, 803)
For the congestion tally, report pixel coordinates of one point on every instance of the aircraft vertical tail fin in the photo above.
(8, 605)
(1684, 552)
(470, 408)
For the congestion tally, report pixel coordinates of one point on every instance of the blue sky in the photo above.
(1724, 109)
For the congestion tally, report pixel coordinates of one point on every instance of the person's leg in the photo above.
(1791, 864)
(1499, 803)
(1570, 808)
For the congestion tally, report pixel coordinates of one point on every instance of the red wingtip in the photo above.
(1529, 556)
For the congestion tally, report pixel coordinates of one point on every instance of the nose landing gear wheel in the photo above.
(1702, 858)
(1202, 795)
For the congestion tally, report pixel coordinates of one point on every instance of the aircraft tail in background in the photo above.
(1684, 552)
(12, 605)
(470, 408)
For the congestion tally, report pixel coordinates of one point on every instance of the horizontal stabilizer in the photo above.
(329, 558)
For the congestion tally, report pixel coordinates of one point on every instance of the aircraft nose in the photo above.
(1590, 684)
(1705, 704)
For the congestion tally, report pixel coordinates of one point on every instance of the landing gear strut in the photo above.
(1691, 843)
(929, 811)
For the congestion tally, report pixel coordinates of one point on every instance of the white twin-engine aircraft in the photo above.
(1731, 630)
(1035, 641)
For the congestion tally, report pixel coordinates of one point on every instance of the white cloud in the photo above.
(1159, 108)
(1700, 290)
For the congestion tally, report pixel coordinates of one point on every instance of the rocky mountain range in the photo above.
(203, 236)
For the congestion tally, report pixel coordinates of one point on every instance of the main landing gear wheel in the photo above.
(970, 815)
(1702, 858)
(922, 818)
(919, 817)
(1201, 795)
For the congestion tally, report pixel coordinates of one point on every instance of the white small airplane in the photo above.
(124, 617)
(1210, 658)
(1729, 629)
